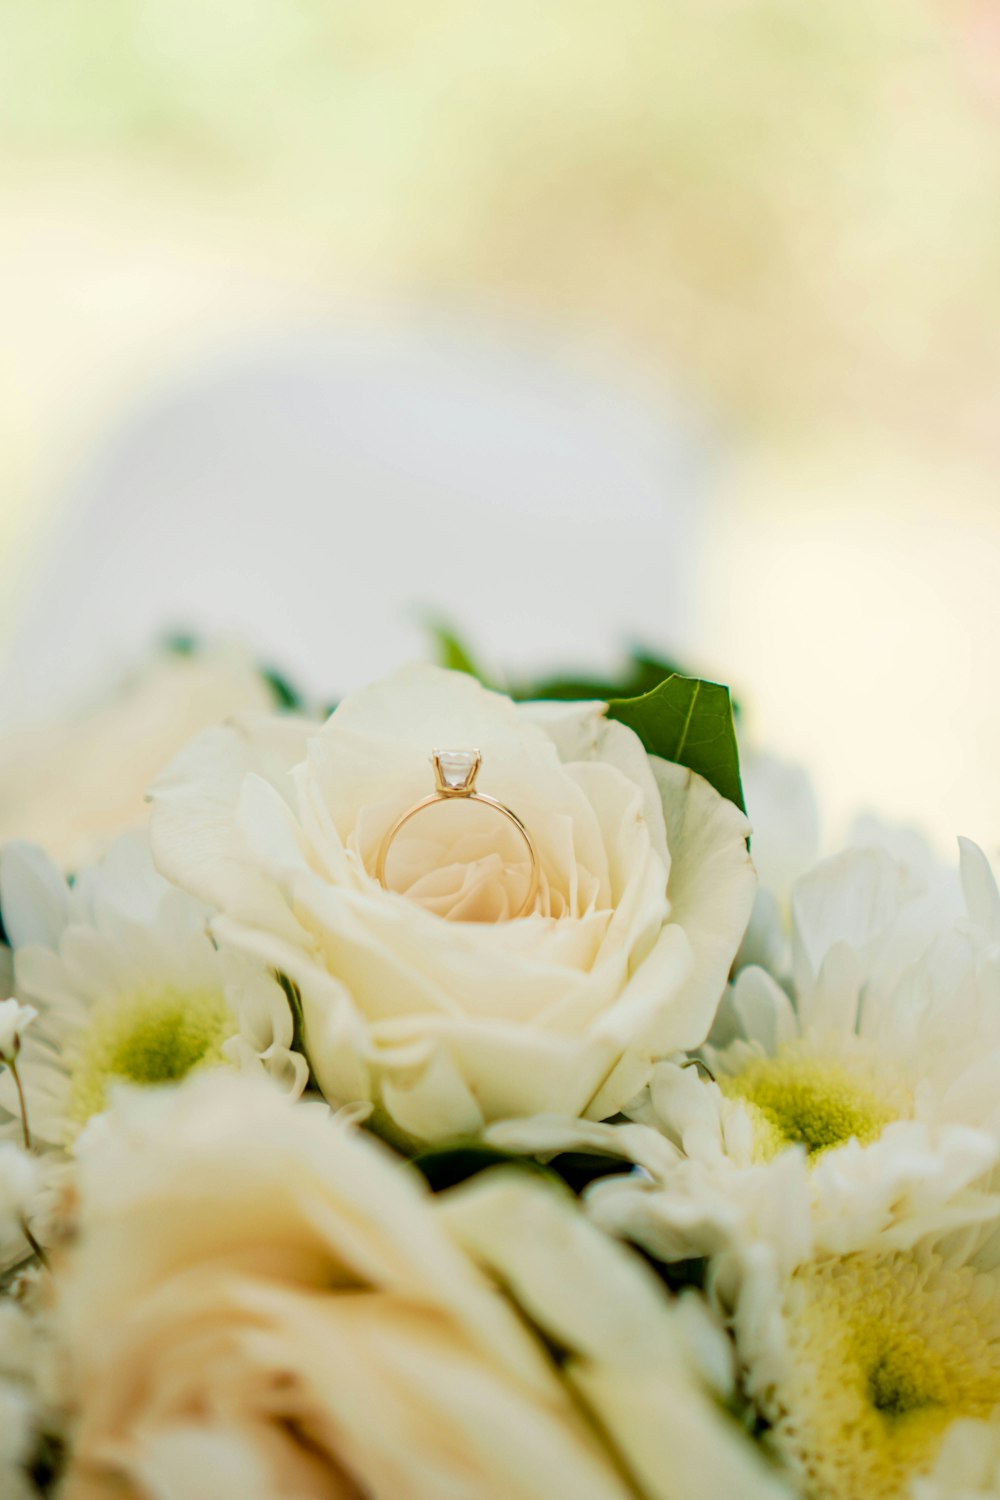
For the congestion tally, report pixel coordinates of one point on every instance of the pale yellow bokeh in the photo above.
(855, 600)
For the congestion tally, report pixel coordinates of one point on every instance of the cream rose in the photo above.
(261, 1303)
(428, 1003)
(73, 784)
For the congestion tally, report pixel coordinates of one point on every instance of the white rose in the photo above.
(646, 887)
(260, 1302)
(73, 784)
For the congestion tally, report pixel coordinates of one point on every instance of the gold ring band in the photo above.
(455, 773)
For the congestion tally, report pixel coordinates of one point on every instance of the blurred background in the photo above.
(669, 321)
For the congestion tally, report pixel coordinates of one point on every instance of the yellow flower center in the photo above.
(886, 1352)
(818, 1102)
(156, 1036)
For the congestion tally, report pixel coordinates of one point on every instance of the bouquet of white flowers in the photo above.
(444, 1098)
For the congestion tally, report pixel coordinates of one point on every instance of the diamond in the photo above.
(456, 769)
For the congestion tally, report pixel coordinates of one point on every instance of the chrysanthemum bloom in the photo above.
(261, 1302)
(129, 987)
(888, 1049)
(425, 1000)
(880, 1365)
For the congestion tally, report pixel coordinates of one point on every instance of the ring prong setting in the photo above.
(455, 771)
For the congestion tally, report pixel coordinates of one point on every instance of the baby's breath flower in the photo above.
(15, 1018)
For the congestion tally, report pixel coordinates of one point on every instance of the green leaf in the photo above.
(451, 650)
(641, 672)
(295, 1006)
(286, 696)
(181, 643)
(689, 722)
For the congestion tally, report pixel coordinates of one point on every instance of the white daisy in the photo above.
(881, 1066)
(129, 986)
(879, 1366)
(895, 1008)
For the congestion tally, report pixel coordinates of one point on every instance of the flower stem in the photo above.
(35, 1246)
(20, 1099)
(699, 1062)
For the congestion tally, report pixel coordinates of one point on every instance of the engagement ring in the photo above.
(455, 773)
